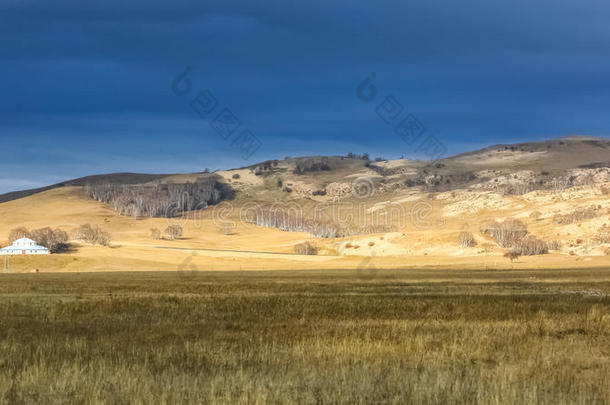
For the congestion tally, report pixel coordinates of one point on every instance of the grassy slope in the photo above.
(119, 178)
(133, 249)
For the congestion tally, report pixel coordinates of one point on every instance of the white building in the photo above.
(24, 246)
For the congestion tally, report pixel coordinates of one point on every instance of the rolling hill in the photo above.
(398, 213)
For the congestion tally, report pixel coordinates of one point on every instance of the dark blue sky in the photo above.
(87, 85)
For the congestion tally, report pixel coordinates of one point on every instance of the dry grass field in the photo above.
(388, 336)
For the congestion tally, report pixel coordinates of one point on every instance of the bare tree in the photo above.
(53, 239)
(18, 233)
(161, 200)
(553, 245)
(530, 245)
(294, 220)
(489, 227)
(509, 232)
(467, 239)
(513, 234)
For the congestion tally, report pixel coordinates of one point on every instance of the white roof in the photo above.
(23, 240)
(24, 243)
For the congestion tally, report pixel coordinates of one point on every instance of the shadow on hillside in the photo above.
(68, 248)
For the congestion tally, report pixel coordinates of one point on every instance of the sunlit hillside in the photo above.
(354, 212)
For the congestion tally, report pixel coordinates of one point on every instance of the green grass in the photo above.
(306, 337)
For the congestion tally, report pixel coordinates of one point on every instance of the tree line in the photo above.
(56, 240)
(161, 200)
(295, 221)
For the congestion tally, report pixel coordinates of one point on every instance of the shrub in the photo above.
(576, 216)
(91, 234)
(517, 188)
(236, 176)
(264, 168)
(306, 165)
(155, 233)
(228, 228)
(467, 239)
(305, 248)
(603, 235)
(173, 231)
(319, 192)
(512, 255)
(487, 247)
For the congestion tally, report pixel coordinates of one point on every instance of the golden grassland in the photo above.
(256, 248)
(370, 336)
